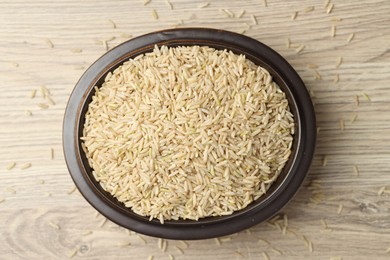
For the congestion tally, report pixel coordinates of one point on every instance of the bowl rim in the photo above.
(278, 67)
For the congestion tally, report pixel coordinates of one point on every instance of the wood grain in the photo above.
(40, 220)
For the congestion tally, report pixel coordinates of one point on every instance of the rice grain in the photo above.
(350, 37)
(169, 4)
(49, 43)
(294, 16)
(329, 8)
(10, 166)
(203, 5)
(154, 14)
(33, 93)
(25, 166)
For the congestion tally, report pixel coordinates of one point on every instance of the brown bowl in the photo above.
(281, 191)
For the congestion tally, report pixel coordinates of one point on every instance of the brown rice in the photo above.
(188, 132)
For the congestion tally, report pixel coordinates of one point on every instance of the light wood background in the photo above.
(338, 210)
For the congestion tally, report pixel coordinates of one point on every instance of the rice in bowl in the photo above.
(188, 132)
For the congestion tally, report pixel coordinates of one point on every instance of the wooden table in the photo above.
(341, 212)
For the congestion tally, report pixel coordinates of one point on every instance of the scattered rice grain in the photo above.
(164, 245)
(294, 16)
(228, 13)
(304, 238)
(72, 253)
(264, 241)
(10, 166)
(308, 9)
(105, 45)
(354, 118)
(76, 50)
(33, 93)
(387, 250)
(226, 239)
(112, 23)
(101, 224)
(326, 3)
(55, 226)
(265, 3)
(333, 31)
(339, 61)
(87, 232)
(25, 166)
(43, 106)
(49, 43)
(312, 66)
(288, 43)
(171, 257)
(340, 209)
(317, 74)
(336, 19)
(265, 256)
(329, 8)
(356, 170)
(241, 13)
(179, 250)
(154, 14)
(217, 241)
(357, 101)
(10, 189)
(342, 125)
(144, 241)
(300, 48)
(336, 78)
(381, 191)
(52, 153)
(184, 243)
(324, 224)
(276, 251)
(146, 2)
(169, 4)
(350, 37)
(310, 247)
(72, 190)
(367, 97)
(50, 100)
(203, 5)
(254, 19)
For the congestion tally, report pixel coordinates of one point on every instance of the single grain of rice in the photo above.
(329, 8)
(254, 19)
(241, 13)
(203, 5)
(308, 9)
(25, 166)
(33, 93)
(294, 16)
(10, 166)
(340, 209)
(350, 37)
(49, 43)
(53, 225)
(333, 31)
(169, 4)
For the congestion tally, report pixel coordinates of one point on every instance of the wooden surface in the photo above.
(41, 220)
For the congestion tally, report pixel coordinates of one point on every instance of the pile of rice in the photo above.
(188, 132)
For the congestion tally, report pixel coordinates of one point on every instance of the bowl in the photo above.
(278, 195)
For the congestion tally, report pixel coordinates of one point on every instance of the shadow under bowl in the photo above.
(280, 192)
